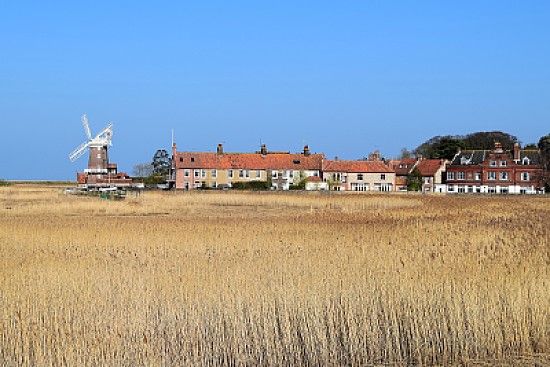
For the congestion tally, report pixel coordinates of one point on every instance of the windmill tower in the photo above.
(98, 161)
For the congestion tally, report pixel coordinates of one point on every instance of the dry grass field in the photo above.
(225, 278)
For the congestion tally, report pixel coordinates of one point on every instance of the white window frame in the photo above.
(214, 173)
(503, 163)
(491, 175)
(460, 175)
(525, 176)
(230, 173)
(186, 173)
(450, 175)
(503, 176)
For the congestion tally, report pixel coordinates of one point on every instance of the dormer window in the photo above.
(503, 163)
(526, 161)
(493, 163)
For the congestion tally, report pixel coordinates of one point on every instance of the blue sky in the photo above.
(347, 78)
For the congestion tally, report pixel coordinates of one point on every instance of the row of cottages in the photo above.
(278, 170)
(497, 171)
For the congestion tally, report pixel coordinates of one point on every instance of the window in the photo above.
(525, 176)
(359, 177)
(493, 163)
(451, 188)
(460, 175)
(247, 173)
(214, 173)
(186, 173)
(197, 173)
(192, 159)
(491, 189)
(461, 189)
(427, 180)
(450, 175)
(203, 173)
(503, 163)
(383, 176)
(214, 184)
(525, 161)
(478, 176)
(258, 174)
(491, 175)
(230, 173)
(274, 174)
(504, 176)
(181, 159)
(241, 173)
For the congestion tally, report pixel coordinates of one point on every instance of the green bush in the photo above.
(252, 185)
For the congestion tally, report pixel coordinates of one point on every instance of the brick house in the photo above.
(496, 171)
(358, 176)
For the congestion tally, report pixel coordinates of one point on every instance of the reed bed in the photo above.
(226, 278)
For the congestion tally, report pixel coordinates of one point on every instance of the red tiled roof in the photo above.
(314, 179)
(429, 167)
(356, 166)
(274, 161)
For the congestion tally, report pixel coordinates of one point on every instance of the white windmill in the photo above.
(98, 161)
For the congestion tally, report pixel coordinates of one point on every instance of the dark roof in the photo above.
(470, 157)
(476, 157)
(404, 167)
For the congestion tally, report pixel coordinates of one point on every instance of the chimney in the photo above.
(516, 152)
(174, 150)
(336, 158)
(263, 150)
(219, 150)
(498, 147)
(306, 151)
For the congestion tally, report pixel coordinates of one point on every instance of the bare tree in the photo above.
(143, 170)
